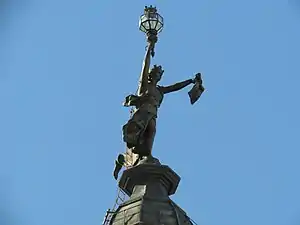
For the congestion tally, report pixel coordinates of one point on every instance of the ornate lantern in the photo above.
(151, 22)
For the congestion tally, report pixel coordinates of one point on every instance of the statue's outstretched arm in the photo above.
(143, 81)
(176, 87)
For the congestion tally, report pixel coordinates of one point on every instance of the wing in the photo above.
(130, 158)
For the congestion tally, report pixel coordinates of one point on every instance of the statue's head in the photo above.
(155, 74)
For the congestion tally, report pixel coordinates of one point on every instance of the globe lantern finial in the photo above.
(151, 22)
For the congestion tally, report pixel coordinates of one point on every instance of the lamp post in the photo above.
(151, 23)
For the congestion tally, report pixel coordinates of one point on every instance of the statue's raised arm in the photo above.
(143, 81)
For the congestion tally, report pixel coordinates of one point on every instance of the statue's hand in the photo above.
(197, 78)
(152, 39)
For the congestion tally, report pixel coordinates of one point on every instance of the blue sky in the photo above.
(66, 66)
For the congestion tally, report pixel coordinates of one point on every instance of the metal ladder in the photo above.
(121, 197)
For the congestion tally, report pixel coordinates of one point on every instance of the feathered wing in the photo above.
(130, 158)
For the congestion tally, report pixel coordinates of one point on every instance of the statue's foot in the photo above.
(141, 149)
(130, 146)
(134, 149)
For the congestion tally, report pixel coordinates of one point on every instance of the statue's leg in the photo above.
(133, 130)
(149, 136)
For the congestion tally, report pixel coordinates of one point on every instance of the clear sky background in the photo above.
(66, 66)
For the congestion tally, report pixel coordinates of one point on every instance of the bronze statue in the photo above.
(139, 131)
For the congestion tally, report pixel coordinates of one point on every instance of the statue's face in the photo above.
(155, 74)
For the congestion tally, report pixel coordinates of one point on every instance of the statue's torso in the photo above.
(151, 99)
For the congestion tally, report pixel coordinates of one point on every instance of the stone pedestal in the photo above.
(149, 185)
